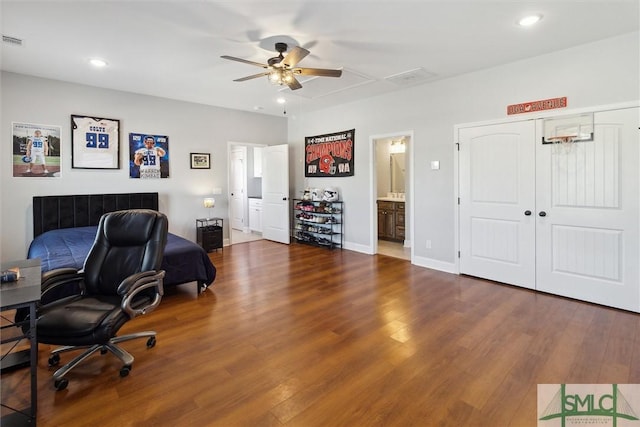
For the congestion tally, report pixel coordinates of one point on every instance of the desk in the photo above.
(13, 295)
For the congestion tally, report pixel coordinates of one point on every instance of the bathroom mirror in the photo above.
(397, 172)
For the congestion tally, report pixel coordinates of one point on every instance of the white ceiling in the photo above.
(172, 49)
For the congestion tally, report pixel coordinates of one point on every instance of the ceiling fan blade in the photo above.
(294, 84)
(296, 55)
(255, 76)
(233, 58)
(322, 72)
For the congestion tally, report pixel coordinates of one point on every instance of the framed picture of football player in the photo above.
(36, 150)
(95, 142)
(148, 156)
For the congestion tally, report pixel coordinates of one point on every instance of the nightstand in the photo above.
(209, 233)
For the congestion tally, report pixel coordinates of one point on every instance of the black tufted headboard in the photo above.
(54, 212)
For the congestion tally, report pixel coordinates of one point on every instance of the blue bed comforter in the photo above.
(183, 262)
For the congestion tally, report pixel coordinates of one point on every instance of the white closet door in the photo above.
(497, 196)
(587, 242)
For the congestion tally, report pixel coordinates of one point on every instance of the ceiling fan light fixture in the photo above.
(287, 77)
(275, 76)
(279, 76)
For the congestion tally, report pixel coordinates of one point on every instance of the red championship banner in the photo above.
(530, 107)
(329, 155)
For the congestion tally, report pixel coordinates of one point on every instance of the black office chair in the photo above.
(121, 279)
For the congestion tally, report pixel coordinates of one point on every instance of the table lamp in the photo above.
(209, 202)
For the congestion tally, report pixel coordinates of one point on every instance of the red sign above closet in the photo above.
(530, 107)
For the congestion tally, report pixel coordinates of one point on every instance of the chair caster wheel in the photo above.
(103, 351)
(125, 371)
(54, 360)
(61, 384)
(151, 342)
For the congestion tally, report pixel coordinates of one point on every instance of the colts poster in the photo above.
(149, 156)
(329, 155)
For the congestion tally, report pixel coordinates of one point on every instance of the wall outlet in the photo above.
(428, 244)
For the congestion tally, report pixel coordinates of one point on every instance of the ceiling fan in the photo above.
(282, 70)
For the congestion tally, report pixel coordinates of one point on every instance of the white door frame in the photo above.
(230, 146)
(373, 189)
(516, 118)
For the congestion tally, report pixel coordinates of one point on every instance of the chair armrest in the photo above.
(53, 280)
(131, 282)
(54, 285)
(142, 282)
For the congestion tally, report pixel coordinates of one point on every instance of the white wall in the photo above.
(190, 127)
(605, 72)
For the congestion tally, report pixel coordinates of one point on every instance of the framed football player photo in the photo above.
(36, 150)
(148, 156)
(95, 142)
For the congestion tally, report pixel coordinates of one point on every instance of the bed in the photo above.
(64, 228)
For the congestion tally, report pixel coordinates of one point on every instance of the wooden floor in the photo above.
(303, 336)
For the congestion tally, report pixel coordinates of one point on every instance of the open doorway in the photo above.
(390, 190)
(245, 192)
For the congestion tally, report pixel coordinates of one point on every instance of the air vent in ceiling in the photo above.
(12, 40)
(412, 77)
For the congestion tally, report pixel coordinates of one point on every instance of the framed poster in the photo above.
(200, 161)
(329, 155)
(148, 156)
(36, 149)
(95, 143)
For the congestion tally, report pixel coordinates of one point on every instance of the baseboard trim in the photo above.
(364, 249)
(434, 264)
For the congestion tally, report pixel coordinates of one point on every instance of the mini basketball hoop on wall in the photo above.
(568, 130)
(562, 144)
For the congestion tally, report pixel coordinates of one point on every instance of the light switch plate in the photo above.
(435, 165)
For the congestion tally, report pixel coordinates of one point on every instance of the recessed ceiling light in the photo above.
(527, 21)
(281, 100)
(97, 62)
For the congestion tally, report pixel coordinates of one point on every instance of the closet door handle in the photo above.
(542, 213)
(527, 213)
